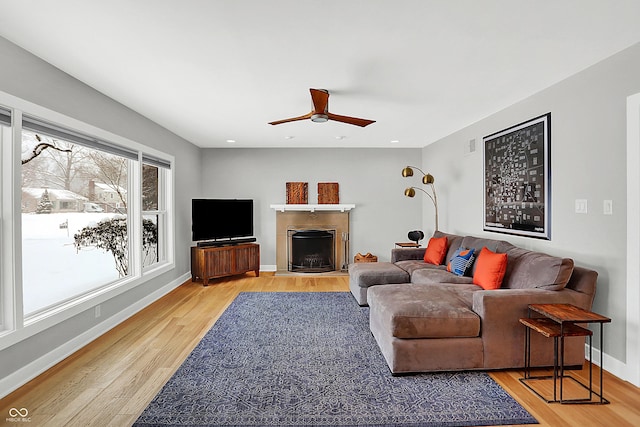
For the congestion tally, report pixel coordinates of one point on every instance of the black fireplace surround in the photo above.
(311, 251)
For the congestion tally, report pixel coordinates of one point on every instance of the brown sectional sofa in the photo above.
(425, 318)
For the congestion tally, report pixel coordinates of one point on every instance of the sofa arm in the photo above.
(407, 254)
(509, 305)
(500, 311)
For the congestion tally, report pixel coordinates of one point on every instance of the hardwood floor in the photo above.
(111, 381)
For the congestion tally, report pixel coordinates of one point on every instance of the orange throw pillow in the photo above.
(490, 269)
(436, 250)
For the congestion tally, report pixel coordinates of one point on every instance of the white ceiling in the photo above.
(219, 70)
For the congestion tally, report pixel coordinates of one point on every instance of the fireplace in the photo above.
(311, 251)
(327, 224)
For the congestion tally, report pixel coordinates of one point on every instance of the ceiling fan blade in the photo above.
(350, 120)
(320, 100)
(293, 119)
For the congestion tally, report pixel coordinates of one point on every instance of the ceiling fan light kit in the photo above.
(321, 114)
(319, 118)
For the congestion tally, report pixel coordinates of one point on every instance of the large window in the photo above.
(85, 215)
(83, 204)
(74, 219)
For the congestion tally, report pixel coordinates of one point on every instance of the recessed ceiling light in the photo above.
(231, 141)
(395, 141)
(340, 137)
(289, 137)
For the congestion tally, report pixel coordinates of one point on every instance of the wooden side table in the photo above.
(560, 321)
(408, 245)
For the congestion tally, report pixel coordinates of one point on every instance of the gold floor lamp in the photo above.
(427, 179)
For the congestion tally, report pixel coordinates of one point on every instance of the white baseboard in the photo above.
(611, 364)
(268, 268)
(40, 365)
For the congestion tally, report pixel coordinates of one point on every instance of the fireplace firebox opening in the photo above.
(311, 251)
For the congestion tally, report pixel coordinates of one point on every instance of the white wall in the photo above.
(27, 77)
(369, 178)
(588, 161)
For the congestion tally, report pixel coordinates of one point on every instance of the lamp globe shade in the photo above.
(407, 172)
(428, 179)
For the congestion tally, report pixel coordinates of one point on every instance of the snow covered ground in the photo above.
(52, 269)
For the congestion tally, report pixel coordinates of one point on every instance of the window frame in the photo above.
(6, 241)
(162, 214)
(14, 327)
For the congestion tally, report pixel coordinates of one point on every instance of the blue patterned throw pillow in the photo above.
(461, 261)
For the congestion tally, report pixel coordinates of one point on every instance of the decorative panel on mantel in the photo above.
(297, 193)
(328, 193)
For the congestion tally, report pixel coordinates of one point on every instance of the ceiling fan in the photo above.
(321, 114)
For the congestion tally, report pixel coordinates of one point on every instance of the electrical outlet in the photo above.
(97, 311)
(607, 207)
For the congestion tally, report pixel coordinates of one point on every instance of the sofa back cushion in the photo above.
(528, 269)
(525, 269)
(477, 243)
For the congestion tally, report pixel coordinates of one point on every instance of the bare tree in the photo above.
(39, 149)
(31, 171)
(149, 188)
(67, 165)
(112, 170)
(50, 162)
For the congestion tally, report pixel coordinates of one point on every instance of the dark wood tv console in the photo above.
(221, 261)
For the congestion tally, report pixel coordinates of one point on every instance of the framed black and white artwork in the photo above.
(517, 179)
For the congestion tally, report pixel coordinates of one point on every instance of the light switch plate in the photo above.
(470, 147)
(607, 207)
(581, 206)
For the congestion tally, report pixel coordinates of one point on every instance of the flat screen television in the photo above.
(213, 219)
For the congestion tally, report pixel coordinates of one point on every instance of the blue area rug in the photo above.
(293, 359)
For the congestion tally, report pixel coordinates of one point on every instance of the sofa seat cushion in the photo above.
(414, 311)
(411, 266)
(434, 276)
(365, 274)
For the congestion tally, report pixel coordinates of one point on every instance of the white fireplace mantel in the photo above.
(313, 208)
